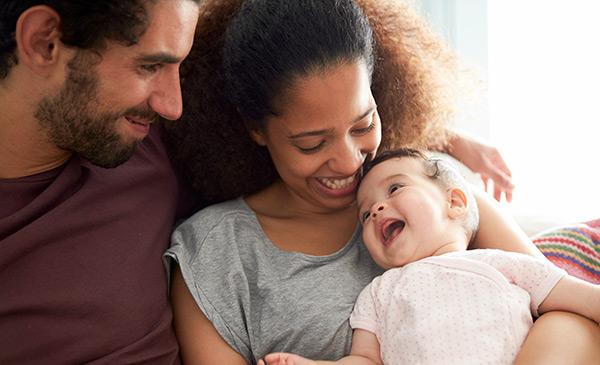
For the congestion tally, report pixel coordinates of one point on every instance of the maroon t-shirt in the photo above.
(81, 272)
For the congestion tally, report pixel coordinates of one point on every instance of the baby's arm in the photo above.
(574, 295)
(550, 287)
(365, 351)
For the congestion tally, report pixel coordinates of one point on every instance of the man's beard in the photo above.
(73, 121)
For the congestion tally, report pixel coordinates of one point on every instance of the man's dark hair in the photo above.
(84, 24)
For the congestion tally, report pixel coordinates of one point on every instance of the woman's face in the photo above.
(326, 125)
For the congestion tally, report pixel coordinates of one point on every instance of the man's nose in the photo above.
(166, 98)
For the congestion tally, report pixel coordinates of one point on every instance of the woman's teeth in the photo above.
(337, 183)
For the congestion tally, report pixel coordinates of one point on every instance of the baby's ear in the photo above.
(457, 202)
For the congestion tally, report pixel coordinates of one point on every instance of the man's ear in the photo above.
(258, 137)
(457, 203)
(38, 38)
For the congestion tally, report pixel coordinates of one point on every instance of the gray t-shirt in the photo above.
(262, 299)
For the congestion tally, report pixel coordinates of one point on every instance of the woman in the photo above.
(286, 108)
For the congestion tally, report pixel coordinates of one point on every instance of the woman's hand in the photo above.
(485, 160)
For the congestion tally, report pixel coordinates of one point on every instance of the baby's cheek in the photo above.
(368, 232)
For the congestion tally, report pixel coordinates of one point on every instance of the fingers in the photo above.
(278, 358)
(497, 193)
(499, 163)
(508, 196)
(498, 189)
(501, 179)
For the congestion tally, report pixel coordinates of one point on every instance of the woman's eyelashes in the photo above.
(309, 150)
(356, 132)
(365, 130)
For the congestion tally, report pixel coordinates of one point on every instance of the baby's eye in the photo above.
(393, 188)
(364, 216)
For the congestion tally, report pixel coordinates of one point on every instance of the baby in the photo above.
(439, 302)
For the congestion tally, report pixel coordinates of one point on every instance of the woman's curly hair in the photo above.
(211, 145)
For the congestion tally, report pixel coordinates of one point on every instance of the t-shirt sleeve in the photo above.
(364, 315)
(206, 249)
(537, 276)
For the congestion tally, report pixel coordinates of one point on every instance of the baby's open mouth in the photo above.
(391, 230)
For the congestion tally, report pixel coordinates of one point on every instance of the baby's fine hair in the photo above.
(442, 173)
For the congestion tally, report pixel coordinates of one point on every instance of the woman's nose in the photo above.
(347, 159)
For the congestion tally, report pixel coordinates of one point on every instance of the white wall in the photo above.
(463, 24)
(541, 61)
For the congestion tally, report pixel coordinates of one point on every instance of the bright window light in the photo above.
(544, 80)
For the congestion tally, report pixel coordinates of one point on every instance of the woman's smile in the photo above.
(337, 186)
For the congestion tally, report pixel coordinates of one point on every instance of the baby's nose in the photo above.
(378, 208)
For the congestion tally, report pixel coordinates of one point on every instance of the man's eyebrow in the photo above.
(158, 58)
(325, 131)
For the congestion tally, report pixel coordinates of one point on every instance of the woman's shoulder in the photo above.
(231, 210)
(220, 223)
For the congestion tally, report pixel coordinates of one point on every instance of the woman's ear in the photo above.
(258, 137)
(457, 203)
(38, 38)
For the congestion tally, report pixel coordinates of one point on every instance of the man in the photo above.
(87, 195)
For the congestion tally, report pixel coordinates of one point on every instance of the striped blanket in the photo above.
(575, 248)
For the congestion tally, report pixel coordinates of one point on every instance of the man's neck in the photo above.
(24, 148)
(13, 167)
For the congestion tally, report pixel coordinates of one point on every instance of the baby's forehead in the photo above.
(393, 167)
(387, 170)
(376, 175)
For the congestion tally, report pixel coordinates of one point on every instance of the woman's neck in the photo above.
(297, 226)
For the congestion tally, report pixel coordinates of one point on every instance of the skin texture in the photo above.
(318, 148)
(296, 217)
(409, 86)
(223, 160)
(96, 94)
(399, 189)
(561, 338)
(428, 213)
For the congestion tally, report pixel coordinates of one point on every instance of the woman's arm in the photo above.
(199, 341)
(574, 295)
(561, 338)
(498, 229)
(556, 337)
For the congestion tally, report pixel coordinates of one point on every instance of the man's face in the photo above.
(106, 104)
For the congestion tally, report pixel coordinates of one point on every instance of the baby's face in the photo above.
(404, 214)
